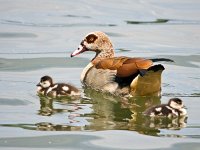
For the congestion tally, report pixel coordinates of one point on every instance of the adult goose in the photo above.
(122, 75)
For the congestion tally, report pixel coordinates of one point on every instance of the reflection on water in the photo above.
(45, 126)
(37, 38)
(152, 126)
(47, 109)
(46, 106)
(108, 113)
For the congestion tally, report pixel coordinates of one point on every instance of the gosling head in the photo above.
(176, 103)
(45, 82)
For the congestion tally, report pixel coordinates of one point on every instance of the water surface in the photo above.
(37, 38)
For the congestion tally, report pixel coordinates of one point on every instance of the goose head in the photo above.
(97, 42)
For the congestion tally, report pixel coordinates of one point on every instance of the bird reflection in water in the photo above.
(107, 113)
(127, 114)
(46, 106)
(46, 126)
(47, 109)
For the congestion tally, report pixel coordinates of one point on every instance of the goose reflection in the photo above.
(47, 109)
(116, 113)
(99, 111)
(46, 106)
(69, 107)
(46, 126)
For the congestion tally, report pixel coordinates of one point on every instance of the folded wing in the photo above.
(125, 66)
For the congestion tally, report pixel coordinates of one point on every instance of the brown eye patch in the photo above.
(91, 38)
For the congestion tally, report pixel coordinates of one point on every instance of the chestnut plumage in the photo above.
(108, 73)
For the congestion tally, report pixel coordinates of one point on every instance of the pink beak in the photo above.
(80, 49)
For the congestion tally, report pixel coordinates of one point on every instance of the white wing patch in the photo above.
(174, 112)
(51, 88)
(158, 109)
(55, 86)
(65, 88)
(74, 93)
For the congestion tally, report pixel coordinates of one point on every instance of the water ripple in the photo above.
(13, 102)
(181, 95)
(17, 35)
(165, 21)
(76, 16)
(21, 23)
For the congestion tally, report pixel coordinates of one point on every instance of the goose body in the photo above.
(118, 75)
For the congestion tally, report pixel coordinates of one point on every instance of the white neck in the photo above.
(85, 70)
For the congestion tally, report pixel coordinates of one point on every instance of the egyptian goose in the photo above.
(118, 75)
(174, 108)
(46, 87)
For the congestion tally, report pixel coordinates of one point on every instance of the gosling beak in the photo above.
(38, 84)
(80, 49)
